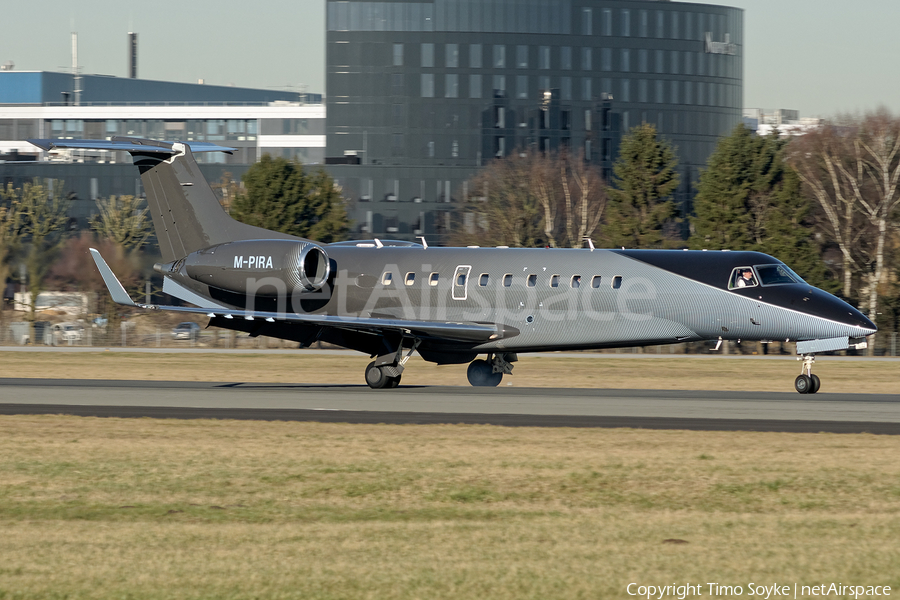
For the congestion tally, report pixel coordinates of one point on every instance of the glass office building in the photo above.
(422, 94)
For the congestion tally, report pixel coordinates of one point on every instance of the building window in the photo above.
(544, 57)
(587, 120)
(660, 62)
(626, 23)
(397, 144)
(626, 60)
(675, 57)
(675, 35)
(660, 96)
(660, 24)
(607, 21)
(398, 55)
(499, 117)
(642, 90)
(500, 147)
(522, 87)
(587, 21)
(454, 149)
(688, 26)
(522, 57)
(565, 58)
(430, 149)
(499, 56)
(427, 55)
(428, 85)
(566, 90)
(626, 90)
(474, 56)
(499, 86)
(451, 85)
(674, 99)
(688, 63)
(543, 83)
(688, 92)
(642, 60)
(397, 80)
(474, 86)
(586, 88)
(642, 23)
(451, 56)
(586, 59)
(606, 59)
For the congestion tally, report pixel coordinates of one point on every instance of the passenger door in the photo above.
(461, 282)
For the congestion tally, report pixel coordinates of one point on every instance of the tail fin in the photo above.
(186, 214)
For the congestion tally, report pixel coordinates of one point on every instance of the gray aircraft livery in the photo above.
(451, 305)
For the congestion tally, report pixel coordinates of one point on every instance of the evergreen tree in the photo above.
(279, 195)
(750, 199)
(644, 179)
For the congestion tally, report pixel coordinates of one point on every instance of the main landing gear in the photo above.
(806, 382)
(385, 371)
(489, 373)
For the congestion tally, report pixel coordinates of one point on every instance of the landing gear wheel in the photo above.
(393, 381)
(816, 382)
(803, 384)
(376, 377)
(481, 374)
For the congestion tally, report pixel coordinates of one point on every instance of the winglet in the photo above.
(118, 293)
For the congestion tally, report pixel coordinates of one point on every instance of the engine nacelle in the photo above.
(263, 267)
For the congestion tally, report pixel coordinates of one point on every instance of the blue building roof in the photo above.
(43, 87)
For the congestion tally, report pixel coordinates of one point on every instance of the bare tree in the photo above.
(122, 221)
(853, 169)
(533, 198)
(10, 231)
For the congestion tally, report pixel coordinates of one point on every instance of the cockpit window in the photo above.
(776, 275)
(742, 277)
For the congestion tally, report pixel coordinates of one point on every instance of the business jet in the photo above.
(389, 299)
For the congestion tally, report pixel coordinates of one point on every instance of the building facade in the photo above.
(57, 105)
(421, 94)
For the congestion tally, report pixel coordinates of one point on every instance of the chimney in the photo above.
(132, 55)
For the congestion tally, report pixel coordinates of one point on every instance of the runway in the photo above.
(535, 407)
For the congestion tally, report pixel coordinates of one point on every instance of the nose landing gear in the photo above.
(806, 382)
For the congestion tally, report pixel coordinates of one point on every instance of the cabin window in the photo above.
(576, 281)
(742, 277)
(507, 280)
(461, 279)
(433, 279)
(617, 282)
(532, 280)
(554, 281)
(483, 281)
(410, 278)
(387, 278)
(595, 282)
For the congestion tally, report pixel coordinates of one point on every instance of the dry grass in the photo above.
(598, 371)
(109, 508)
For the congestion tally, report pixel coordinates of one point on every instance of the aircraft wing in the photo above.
(445, 330)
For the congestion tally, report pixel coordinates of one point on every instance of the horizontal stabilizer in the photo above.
(130, 145)
(118, 293)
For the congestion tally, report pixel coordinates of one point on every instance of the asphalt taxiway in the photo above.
(538, 407)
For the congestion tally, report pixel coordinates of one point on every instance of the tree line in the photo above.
(826, 203)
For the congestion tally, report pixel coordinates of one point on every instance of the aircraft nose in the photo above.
(855, 318)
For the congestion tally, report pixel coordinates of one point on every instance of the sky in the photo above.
(821, 57)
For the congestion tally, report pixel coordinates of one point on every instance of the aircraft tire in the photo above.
(803, 384)
(375, 377)
(393, 381)
(481, 374)
(816, 383)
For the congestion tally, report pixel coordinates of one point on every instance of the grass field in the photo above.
(599, 371)
(112, 508)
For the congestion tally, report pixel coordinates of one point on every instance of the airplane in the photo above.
(389, 299)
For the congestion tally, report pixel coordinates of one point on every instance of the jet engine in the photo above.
(263, 267)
